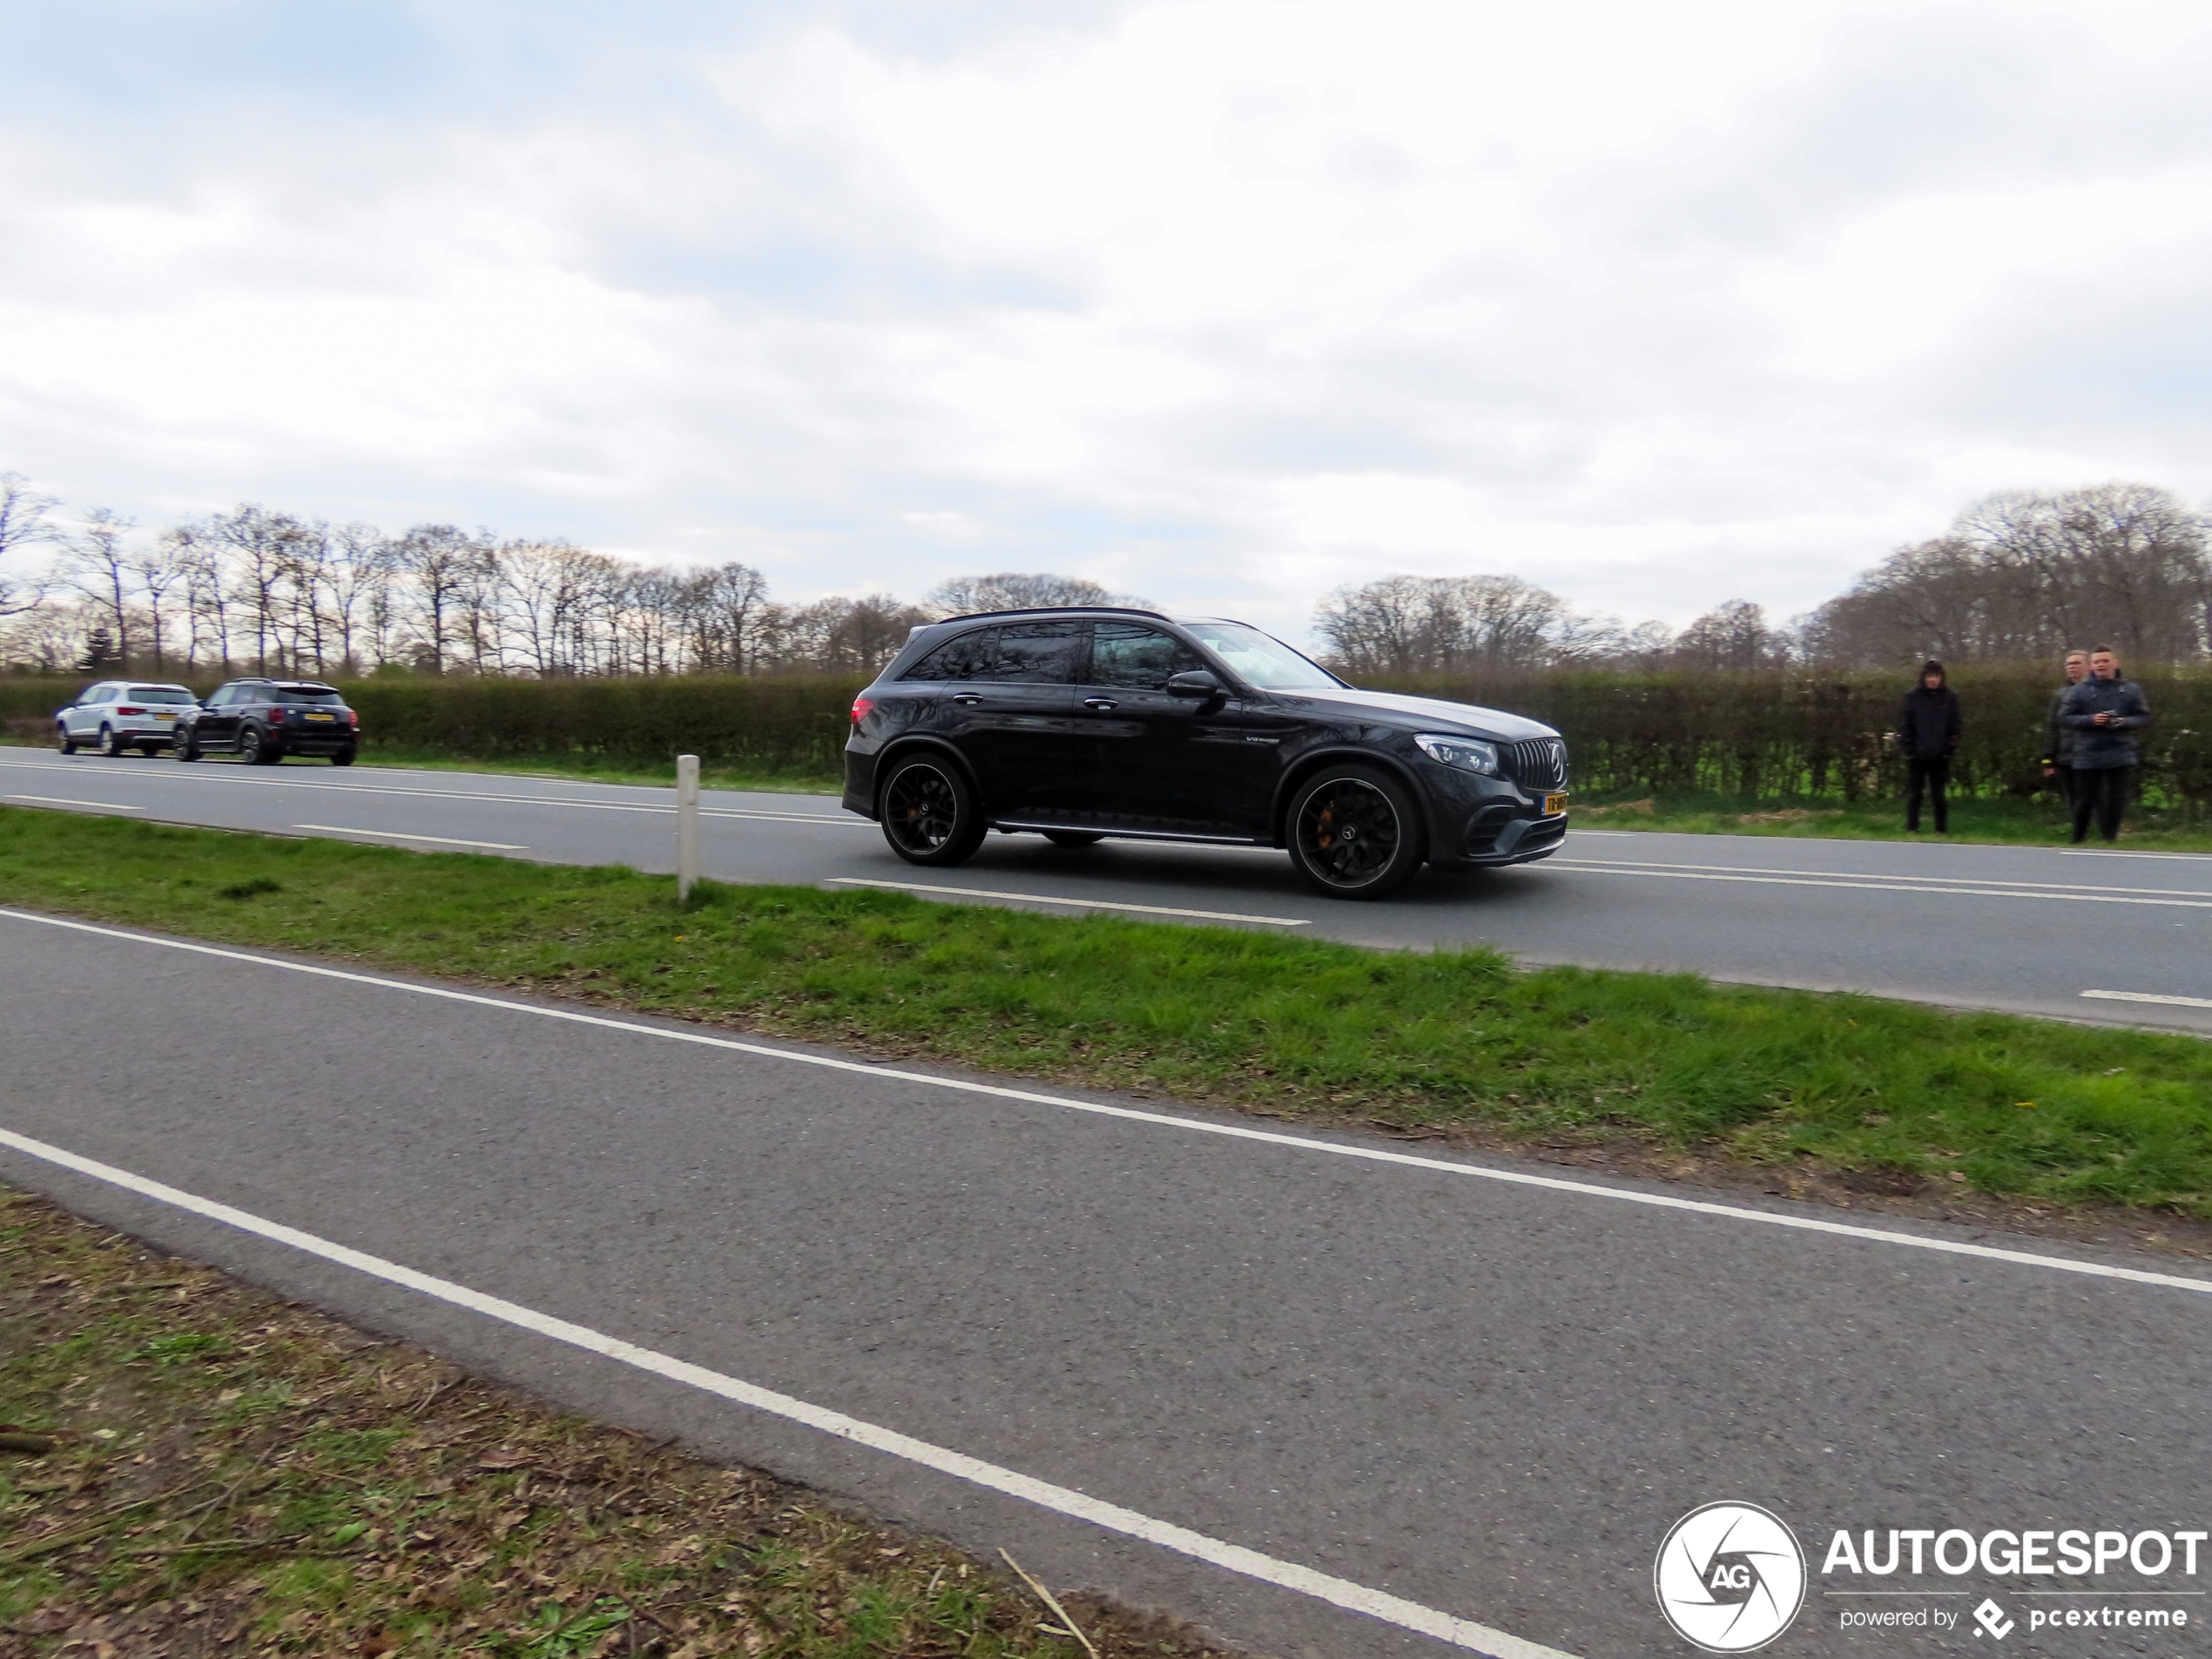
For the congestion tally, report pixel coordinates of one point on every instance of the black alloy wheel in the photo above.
(186, 749)
(1355, 833)
(108, 745)
(69, 744)
(1074, 838)
(343, 757)
(251, 750)
(930, 815)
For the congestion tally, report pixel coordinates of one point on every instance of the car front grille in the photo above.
(1536, 763)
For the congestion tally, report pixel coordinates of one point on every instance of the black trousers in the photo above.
(2101, 791)
(1932, 777)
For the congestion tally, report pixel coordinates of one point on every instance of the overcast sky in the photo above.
(1222, 303)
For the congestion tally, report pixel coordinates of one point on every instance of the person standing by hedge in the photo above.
(2058, 737)
(1929, 727)
(2104, 713)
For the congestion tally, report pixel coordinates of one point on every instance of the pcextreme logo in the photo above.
(1729, 1577)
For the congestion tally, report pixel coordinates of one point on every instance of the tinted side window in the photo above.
(1036, 653)
(1129, 654)
(293, 694)
(223, 697)
(968, 657)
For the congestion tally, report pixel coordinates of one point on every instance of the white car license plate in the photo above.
(1555, 803)
(158, 715)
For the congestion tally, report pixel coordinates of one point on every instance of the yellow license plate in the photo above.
(159, 716)
(333, 716)
(1554, 804)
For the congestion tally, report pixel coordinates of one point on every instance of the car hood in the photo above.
(1429, 713)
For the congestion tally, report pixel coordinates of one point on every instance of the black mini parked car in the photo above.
(1083, 724)
(262, 721)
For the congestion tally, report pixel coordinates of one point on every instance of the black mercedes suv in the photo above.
(1083, 724)
(262, 721)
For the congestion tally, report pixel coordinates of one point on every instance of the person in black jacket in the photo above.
(2104, 713)
(1929, 727)
(2058, 737)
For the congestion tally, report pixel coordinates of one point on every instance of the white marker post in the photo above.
(687, 826)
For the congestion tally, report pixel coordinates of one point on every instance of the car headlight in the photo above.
(1468, 754)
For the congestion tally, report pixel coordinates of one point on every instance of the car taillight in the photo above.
(861, 707)
(128, 710)
(352, 720)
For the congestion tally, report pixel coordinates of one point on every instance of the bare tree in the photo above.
(97, 565)
(1734, 637)
(436, 559)
(1013, 590)
(358, 576)
(1404, 624)
(22, 523)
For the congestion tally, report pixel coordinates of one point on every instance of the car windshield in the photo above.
(300, 694)
(1259, 660)
(159, 694)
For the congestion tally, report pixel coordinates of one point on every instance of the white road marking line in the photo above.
(1195, 1126)
(2149, 996)
(2110, 852)
(1084, 904)
(2009, 886)
(1290, 1576)
(840, 820)
(2081, 896)
(64, 800)
(402, 835)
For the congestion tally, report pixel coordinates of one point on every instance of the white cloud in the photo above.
(1225, 302)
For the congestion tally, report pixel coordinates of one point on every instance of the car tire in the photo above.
(1074, 838)
(1354, 832)
(343, 757)
(185, 748)
(930, 813)
(69, 744)
(109, 746)
(253, 748)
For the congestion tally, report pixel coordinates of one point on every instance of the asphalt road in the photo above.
(1485, 1397)
(2030, 929)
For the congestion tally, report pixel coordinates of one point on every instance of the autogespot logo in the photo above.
(1729, 1577)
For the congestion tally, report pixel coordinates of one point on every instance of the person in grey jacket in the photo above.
(2104, 713)
(2058, 737)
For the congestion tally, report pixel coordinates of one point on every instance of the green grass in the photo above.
(228, 1473)
(1301, 1027)
(2009, 821)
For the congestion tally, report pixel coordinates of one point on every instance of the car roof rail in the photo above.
(1060, 611)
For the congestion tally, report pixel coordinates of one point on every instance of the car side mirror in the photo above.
(1194, 683)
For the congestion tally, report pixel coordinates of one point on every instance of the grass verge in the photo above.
(225, 1472)
(2010, 821)
(1995, 1103)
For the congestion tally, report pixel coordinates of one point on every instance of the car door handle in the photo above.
(967, 698)
(1100, 704)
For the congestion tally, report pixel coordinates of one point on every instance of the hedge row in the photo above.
(1792, 732)
(1784, 733)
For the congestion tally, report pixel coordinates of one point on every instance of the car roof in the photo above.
(1056, 611)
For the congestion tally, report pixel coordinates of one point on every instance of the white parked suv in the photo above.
(118, 715)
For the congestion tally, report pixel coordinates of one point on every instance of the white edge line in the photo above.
(1290, 1576)
(1193, 1125)
(2007, 887)
(1086, 904)
(2204, 903)
(402, 835)
(2100, 852)
(2149, 996)
(65, 800)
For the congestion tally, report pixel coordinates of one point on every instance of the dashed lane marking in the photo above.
(1081, 904)
(2152, 996)
(64, 800)
(402, 835)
